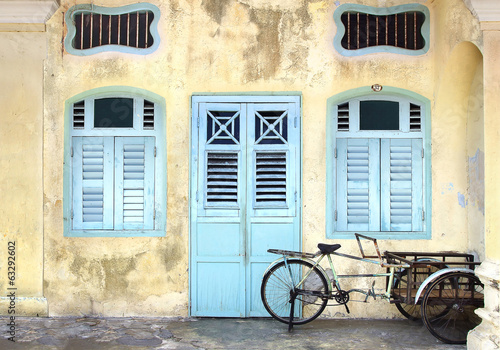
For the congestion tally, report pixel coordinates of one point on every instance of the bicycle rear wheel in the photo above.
(277, 288)
(457, 294)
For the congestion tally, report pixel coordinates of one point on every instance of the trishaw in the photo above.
(439, 288)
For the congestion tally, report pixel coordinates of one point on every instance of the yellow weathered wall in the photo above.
(249, 46)
(21, 193)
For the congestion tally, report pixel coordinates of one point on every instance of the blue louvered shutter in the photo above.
(274, 132)
(92, 182)
(221, 128)
(134, 183)
(358, 185)
(402, 185)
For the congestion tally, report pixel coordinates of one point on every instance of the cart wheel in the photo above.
(407, 307)
(456, 295)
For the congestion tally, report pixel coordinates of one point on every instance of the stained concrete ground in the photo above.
(190, 333)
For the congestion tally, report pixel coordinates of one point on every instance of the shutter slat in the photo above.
(362, 204)
(135, 213)
(134, 169)
(133, 185)
(90, 210)
(93, 218)
(133, 193)
(133, 206)
(214, 193)
(93, 204)
(134, 155)
(133, 200)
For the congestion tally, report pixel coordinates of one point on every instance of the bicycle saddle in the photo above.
(328, 248)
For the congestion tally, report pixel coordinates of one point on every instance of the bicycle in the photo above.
(296, 289)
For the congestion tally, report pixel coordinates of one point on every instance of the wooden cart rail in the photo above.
(433, 259)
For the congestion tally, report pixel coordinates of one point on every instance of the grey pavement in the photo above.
(137, 333)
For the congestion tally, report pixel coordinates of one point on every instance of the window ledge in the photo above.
(111, 233)
(381, 235)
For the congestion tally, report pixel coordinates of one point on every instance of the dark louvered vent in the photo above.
(79, 115)
(401, 30)
(270, 178)
(222, 178)
(415, 117)
(129, 29)
(343, 117)
(149, 115)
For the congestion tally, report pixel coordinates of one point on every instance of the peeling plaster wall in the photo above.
(244, 46)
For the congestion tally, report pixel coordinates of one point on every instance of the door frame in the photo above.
(261, 97)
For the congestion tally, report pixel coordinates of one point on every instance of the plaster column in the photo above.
(487, 334)
(23, 51)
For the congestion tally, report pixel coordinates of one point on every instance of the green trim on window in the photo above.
(160, 176)
(86, 8)
(331, 137)
(380, 11)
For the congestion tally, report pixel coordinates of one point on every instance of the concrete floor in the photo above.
(190, 333)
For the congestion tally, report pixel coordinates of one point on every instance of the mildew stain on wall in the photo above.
(476, 180)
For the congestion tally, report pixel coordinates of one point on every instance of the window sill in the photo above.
(111, 233)
(381, 235)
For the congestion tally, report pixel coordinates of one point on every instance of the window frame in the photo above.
(70, 36)
(380, 11)
(160, 160)
(392, 94)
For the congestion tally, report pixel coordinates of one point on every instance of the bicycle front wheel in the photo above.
(279, 284)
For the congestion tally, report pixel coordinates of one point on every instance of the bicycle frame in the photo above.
(335, 283)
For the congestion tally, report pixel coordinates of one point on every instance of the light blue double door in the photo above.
(245, 198)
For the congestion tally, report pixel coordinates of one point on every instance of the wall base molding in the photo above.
(24, 306)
